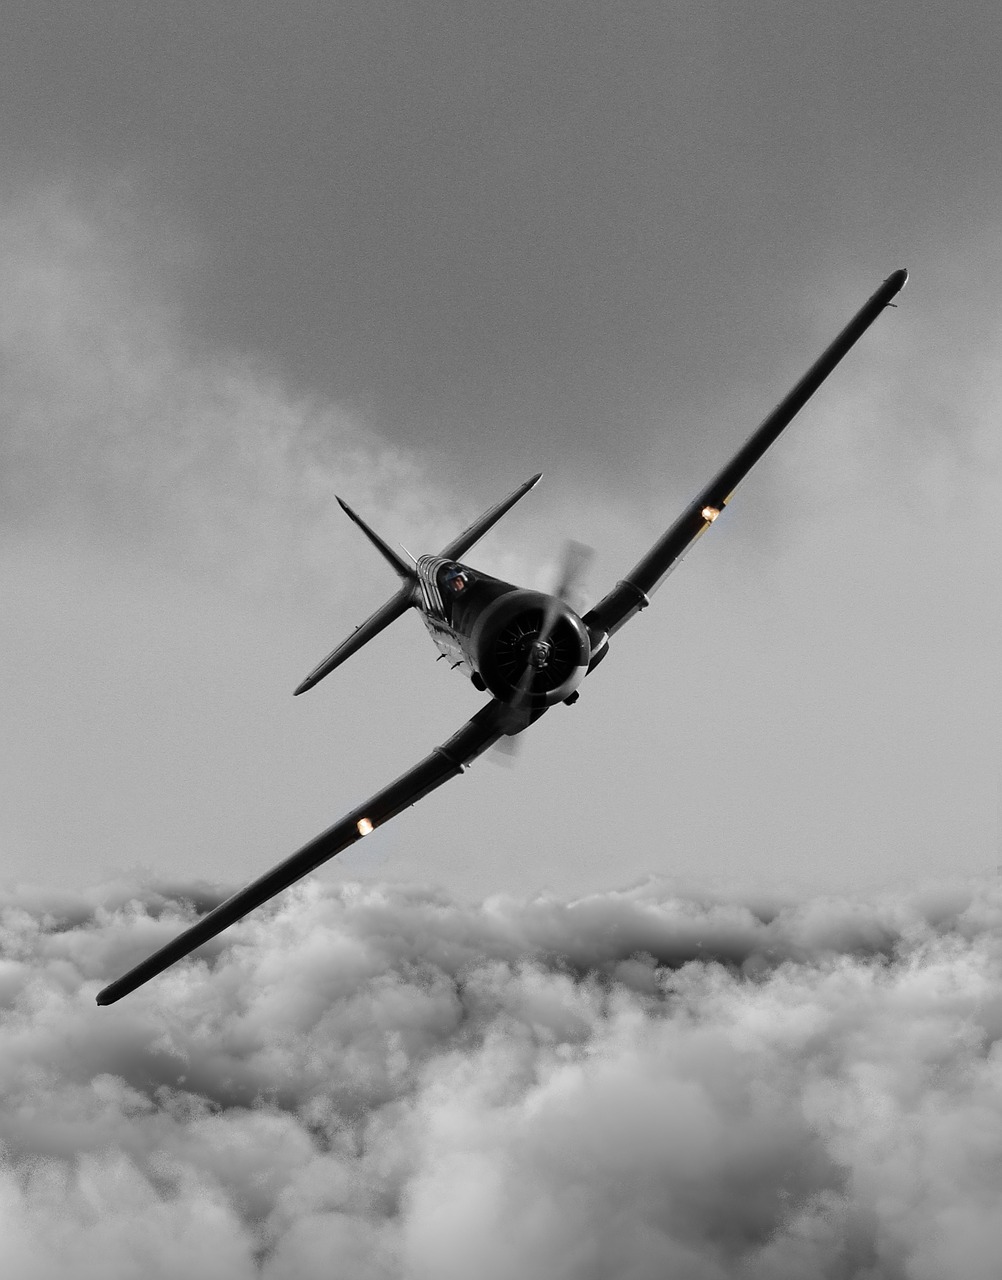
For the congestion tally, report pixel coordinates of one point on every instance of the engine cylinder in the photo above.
(505, 646)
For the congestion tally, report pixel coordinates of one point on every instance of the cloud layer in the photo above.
(380, 1082)
(117, 425)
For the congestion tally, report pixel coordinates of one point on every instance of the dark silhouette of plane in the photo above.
(529, 650)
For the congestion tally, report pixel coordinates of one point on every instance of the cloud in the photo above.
(382, 1080)
(120, 425)
(172, 560)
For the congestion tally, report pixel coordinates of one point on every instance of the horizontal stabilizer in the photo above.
(458, 547)
(381, 619)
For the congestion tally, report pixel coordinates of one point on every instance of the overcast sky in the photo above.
(253, 256)
(411, 253)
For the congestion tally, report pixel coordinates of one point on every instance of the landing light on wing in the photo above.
(364, 826)
(710, 513)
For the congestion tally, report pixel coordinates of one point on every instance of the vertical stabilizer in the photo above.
(389, 612)
(400, 566)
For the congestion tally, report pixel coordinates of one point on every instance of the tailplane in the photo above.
(381, 619)
(407, 595)
(389, 612)
(458, 547)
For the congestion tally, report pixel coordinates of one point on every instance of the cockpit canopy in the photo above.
(454, 579)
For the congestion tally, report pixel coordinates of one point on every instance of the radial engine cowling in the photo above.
(504, 648)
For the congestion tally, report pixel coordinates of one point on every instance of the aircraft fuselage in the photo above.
(489, 629)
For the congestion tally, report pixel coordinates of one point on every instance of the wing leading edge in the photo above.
(633, 592)
(445, 762)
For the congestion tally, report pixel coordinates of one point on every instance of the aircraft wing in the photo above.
(445, 762)
(634, 591)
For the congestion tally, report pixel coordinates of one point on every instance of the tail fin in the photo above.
(405, 597)
(381, 619)
(400, 566)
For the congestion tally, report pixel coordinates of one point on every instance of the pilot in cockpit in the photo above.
(455, 580)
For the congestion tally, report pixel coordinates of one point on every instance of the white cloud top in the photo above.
(383, 1082)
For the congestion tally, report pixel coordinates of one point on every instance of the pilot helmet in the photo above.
(455, 579)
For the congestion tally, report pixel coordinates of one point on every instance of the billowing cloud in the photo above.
(118, 424)
(379, 1082)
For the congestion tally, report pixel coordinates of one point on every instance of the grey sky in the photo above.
(552, 218)
(412, 253)
(252, 256)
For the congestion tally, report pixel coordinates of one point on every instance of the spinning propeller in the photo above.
(538, 652)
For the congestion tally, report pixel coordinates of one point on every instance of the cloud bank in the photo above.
(118, 424)
(379, 1082)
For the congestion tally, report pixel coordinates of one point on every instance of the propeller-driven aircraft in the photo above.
(529, 650)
